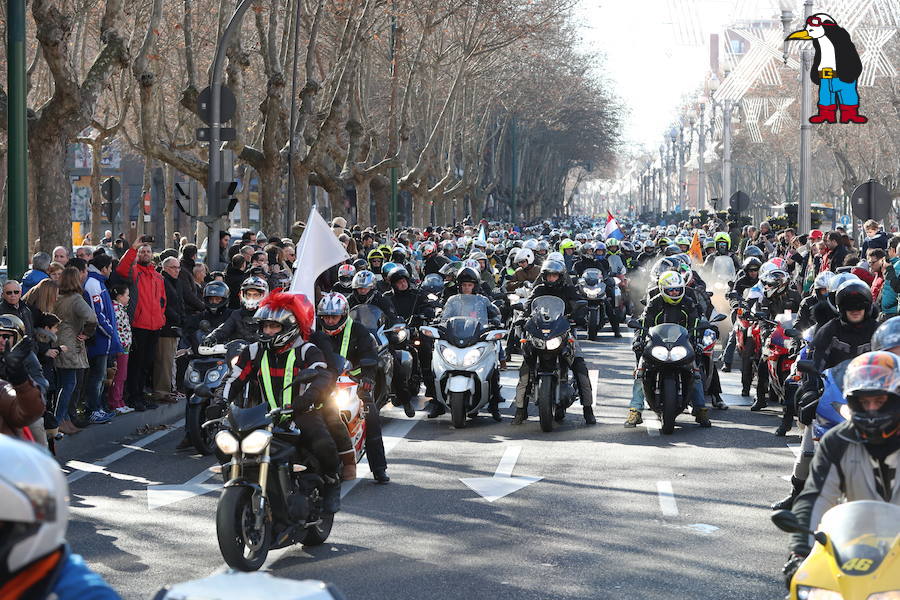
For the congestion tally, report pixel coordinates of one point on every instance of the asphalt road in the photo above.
(616, 513)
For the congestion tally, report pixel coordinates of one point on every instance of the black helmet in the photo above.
(396, 274)
(215, 289)
(553, 266)
(360, 264)
(752, 250)
(468, 274)
(853, 295)
(672, 250)
(887, 335)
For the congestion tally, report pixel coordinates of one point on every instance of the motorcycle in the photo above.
(466, 358)
(708, 342)
(668, 371)
(352, 407)
(274, 494)
(856, 555)
(592, 287)
(203, 379)
(779, 351)
(392, 364)
(517, 319)
(547, 345)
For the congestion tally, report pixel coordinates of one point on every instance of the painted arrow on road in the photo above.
(502, 483)
(163, 495)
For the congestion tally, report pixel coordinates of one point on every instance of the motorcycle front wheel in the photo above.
(243, 546)
(458, 409)
(671, 407)
(545, 402)
(201, 438)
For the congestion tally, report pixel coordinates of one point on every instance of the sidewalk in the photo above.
(105, 438)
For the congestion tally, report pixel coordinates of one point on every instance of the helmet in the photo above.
(433, 284)
(525, 254)
(874, 373)
(682, 241)
(565, 245)
(385, 251)
(479, 243)
(587, 249)
(627, 247)
(853, 295)
(598, 248)
(774, 281)
(472, 264)
(531, 244)
(13, 324)
(663, 242)
(686, 272)
(468, 274)
(823, 281)
(887, 335)
(709, 245)
(661, 266)
(399, 254)
(360, 264)
(295, 314)
(363, 279)
(448, 271)
(254, 283)
(581, 237)
(373, 255)
(723, 242)
(33, 502)
(448, 247)
(671, 286)
(649, 246)
(672, 250)
(612, 245)
(333, 304)
(556, 256)
(387, 267)
(428, 248)
(750, 263)
(553, 266)
(216, 289)
(396, 274)
(752, 250)
(346, 273)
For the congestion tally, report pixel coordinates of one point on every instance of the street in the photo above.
(608, 512)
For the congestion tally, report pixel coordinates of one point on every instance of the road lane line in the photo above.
(594, 375)
(651, 422)
(81, 470)
(666, 499)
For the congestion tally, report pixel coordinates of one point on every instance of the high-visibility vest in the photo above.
(345, 343)
(288, 379)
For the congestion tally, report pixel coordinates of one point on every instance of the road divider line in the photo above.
(666, 499)
(652, 424)
(594, 376)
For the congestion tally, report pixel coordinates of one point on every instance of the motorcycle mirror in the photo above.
(709, 294)
(733, 296)
(205, 326)
(718, 317)
(430, 332)
(787, 521)
(634, 323)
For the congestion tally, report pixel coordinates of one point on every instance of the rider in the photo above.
(552, 283)
(670, 305)
(816, 308)
(747, 277)
(353, 342)
(241, 323)
(527, 271)
(723, 248)
(344, 284)
(282, 352)
(433, 260)
(35, 561)
(858, 459)
(648, 254)
(364, 292)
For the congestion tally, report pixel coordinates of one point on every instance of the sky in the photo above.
(647, 66)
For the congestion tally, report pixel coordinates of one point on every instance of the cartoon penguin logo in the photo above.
(835, 69)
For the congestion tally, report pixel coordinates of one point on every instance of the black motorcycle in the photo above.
(548, 349)
(592, 287)
(203, 379)
(274, 494)
(395, 363)
(668, 371)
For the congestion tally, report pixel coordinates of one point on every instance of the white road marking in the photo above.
(163, 495)
(502, 483)
(87, 468)
(666, 499)
(594, 375)
(82, 470)
(795, 448)
(651, 422)
(703, 528)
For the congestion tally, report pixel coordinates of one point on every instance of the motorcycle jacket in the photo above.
(434, 263)
(215, 320)
(814, 311)
(837, 341)
(592, 263)
(741, 285)
(522, 275)
(354, 343)
(844, 467)
(789, 300)
(645, 258)
(345, 289)
(375, 298)
(65, 577)
(240, 325)
(566, 292)
(658, 311)
(411, 301)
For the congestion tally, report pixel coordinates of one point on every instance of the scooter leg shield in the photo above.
(460, 383)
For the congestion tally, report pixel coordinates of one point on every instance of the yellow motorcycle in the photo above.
(856, 555)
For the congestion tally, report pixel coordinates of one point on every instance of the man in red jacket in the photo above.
(147, 309)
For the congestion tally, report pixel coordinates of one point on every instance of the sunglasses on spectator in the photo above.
(12, 292)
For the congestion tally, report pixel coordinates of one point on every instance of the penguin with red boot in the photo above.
(835, 69)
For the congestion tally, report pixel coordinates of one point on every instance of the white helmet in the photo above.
(34, 498)
(556, 256)
(525, 254)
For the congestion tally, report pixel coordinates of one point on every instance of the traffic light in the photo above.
(224, 200)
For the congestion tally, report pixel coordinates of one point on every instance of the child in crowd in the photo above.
(46, 326)
(120, 297)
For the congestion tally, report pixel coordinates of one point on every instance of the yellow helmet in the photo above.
(671, 286)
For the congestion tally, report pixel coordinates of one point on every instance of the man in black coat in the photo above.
(164, 363)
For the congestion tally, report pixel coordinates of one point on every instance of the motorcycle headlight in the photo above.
(811, 593)
(659, 353)
(194, 377)
(342, 398)
(471, 357)
(213, 376)
(513, 298)
(226, 442)
(554, 343)
(449, 355)
(591, 292)
(677, 353)
(402, 335)
(256, 442)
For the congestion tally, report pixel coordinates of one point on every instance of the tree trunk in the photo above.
(96, 197)
(363, 189)
(421, 212)
(271, 216)
(382, 194)
(52, 189)
(168, 202)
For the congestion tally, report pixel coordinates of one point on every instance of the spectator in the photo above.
(119, 248)
(875, 237)
(40, 264)
(260, 239)
(189, 258)
(877, 259)
(107, 239)
(234, 277)
(164, 365)
(116, 401)
(12, 305)
(146, 307)
(85, 253)
(199, 276)
(60, 255)
(835, 252)
(81, 265)
(190, 295)
(55, 271)
(41, 299)
(77, 323)
(224, 242)
(247, 252)
(47, 349)
(105, 345)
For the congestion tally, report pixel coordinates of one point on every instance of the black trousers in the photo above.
(316, 439)
(374, 442)
(140, 363)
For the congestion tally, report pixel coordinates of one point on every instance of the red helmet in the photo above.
(295, 314)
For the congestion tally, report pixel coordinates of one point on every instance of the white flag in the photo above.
(318, 250)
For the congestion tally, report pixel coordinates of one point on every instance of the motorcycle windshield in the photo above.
(243, 420)
(463, 329)
(466, 305)
(433, 284)
(862, 533)
(548, 308)
(723, 268)
(368, 316)
(668, 333)
(616, 266)
(592, 277)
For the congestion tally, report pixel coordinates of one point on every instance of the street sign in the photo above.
(739, 201)
(111, 189)
(844, 220)
(870, 200)
(227, 108)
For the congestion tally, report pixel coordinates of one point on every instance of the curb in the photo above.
(102, 438)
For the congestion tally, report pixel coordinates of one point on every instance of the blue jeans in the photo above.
(730, 347)
(834, 91)
(93, 382)
(66, 380)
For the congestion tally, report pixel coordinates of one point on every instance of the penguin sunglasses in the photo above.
(818, 22)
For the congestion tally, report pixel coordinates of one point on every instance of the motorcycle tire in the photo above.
(458, 409)
(670, 404)
(545, 387)
(202, 439)
(317, 534)
(234, 525)
(592, 330)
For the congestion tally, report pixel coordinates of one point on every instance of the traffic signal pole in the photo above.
(17, 135)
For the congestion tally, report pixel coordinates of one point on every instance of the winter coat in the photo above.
(106, 340)
(147, 303)
(20, 406)
(22, 311)
(31, 279)
(123, 326)
(174, 308)
(76, 317)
